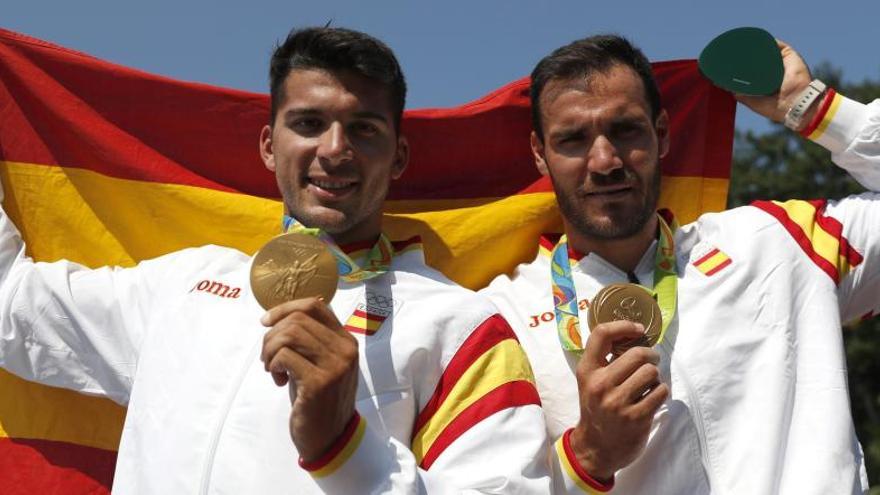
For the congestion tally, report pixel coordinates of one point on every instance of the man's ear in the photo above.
(538, 153)
(661, 126)
(401, 157)
(266, 152)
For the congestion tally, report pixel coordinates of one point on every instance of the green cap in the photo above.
(744, 60)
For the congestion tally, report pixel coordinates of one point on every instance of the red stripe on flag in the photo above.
(549, 241)
(69, 109)
(511, 394)
(401, 245)
(706, 257)
(490, 332)
(369, 316)
(30, 466)
(718, 268)
(363, 331)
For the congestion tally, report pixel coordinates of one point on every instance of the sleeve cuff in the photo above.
(340, 451)
(575, 476)
(837, 123)
(358, 459)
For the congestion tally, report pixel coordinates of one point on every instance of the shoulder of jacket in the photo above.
(207, 259)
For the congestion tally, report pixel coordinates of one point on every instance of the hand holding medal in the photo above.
(294, 277)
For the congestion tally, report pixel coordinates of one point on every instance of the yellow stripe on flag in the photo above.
(98, 220)
(470, 241)
(47, 413)
(712, 262)
(364, 324)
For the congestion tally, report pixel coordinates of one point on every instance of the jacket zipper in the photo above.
(224, 413)
(697, 419)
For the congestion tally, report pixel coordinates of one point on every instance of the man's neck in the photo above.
(366, 231)
(624, 253)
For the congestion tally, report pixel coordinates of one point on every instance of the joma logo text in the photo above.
(217, 288)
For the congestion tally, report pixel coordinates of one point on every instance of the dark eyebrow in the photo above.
(565, 132)
(618, 121)
(627, 120)
(365, 114)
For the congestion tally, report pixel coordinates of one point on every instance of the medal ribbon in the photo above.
(565, 304)
(377, 262)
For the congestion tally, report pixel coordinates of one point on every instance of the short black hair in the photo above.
(333, 48)
(585, 57)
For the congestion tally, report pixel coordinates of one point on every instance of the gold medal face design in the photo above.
(627, 302)
(293, 266)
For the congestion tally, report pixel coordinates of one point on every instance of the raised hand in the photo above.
(618, 400)
(796, 77)
(307, 347)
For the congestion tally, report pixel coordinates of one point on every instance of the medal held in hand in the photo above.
(293, 266)
(627, 302)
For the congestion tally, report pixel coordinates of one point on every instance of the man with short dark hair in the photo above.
(404, 382)
(746, 390)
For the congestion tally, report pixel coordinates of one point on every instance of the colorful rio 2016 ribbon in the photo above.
(378, 259)
(565, 294)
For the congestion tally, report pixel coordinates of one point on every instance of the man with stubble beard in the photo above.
(746, 390)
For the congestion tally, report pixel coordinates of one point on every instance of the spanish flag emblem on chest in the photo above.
(366, 319)
(712, 262)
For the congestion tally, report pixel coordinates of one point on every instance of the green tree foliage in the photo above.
(781, 165)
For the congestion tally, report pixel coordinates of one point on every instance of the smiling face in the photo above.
(602, 151)
(334, 150)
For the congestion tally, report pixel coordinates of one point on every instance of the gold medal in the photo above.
(627, 302)
(293, 266)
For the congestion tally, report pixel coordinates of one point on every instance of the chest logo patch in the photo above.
(712, 262)
(368, 317)
(216, 288)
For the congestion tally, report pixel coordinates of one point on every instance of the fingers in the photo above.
(302, 335)
(302, 328)
(287, 363)
(603, 337)
(649, 403)
(312, 306)
(633, 359)
(643, 379)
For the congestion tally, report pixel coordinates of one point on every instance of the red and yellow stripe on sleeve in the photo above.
(819, 236)
(827, 110)
(103, 164)
(341, 450)
(489, 373)
(572, 469)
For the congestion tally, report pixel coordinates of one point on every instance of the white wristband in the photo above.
(795, 115)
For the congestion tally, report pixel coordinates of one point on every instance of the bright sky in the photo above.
(452, 51)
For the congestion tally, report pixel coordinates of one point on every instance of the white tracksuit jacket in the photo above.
(177, 339)
(754, 356)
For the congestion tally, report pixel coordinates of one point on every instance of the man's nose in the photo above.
(602, 157)
(334, 147)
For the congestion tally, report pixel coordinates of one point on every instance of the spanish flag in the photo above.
(102, 164)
